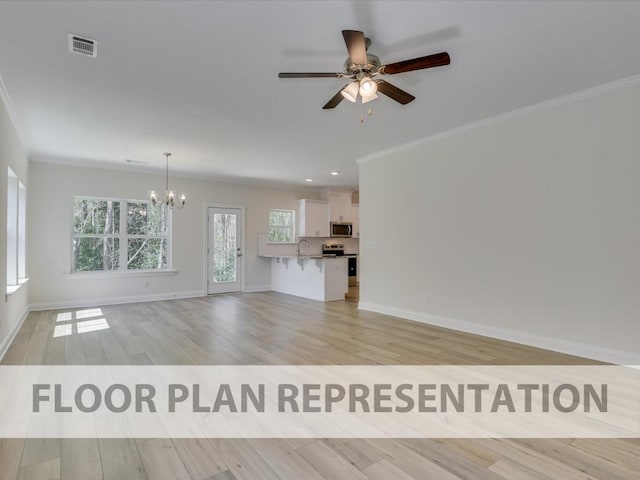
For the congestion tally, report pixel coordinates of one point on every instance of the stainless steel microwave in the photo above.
(341, 229)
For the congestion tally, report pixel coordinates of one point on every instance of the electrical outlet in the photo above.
(372, 244)
(427, 298)
(146, 284)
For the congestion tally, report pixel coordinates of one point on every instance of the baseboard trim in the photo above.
(594, 352)
(95, 302)
(258, 288)
(12, 335)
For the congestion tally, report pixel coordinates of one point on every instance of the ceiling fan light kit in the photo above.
(368, 88)
(370, 97)
(363, 68)
(350, 92)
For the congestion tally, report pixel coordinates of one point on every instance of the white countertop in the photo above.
(311, 257)
(307, 257)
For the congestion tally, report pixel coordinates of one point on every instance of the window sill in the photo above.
(11, 289)
(127, 274)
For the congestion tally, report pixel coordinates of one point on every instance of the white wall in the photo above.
(527, 227)
(13, 307)
(51, 192)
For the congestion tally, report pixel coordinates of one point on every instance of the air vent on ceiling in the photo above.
(83, 45)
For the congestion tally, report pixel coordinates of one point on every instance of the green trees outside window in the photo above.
(116, 235)
(282, 226)
(225, 245)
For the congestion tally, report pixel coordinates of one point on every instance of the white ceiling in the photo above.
(200, 78)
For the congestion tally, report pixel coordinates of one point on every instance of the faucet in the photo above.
(300, 242)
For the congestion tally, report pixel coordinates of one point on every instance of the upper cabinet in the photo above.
(313, 218)
(355, 220)
(340, 207)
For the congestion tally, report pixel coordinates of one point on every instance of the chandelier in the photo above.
(169, 195)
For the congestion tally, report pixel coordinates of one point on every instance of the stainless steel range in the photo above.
(337, 249)
(333, 249)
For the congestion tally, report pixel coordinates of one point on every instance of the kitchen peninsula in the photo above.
(299, 270)
(314, 277)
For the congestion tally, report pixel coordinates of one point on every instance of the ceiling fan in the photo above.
(363, 68)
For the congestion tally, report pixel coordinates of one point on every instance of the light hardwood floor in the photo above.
(271, 328)
(353, 295)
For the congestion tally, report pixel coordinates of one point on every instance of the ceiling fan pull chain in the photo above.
(362, 113)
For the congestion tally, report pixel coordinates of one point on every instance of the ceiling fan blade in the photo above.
(394, 92)
(335, 100)
(356, 46)
(435, 60)
(310, 75)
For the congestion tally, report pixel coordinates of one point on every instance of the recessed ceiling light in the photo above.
(309, 180)
(334, 173)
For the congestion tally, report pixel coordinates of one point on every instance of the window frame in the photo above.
(16, 233)
(123, 240)
(291, 227)
(22, 232)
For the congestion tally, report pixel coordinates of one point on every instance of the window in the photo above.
(22, 231)
(282, 226)
(119, 235)
(96, 235)
(16, 232)
(147, 239)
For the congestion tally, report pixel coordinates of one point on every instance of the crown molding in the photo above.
(8, 104)
(152, 170)
(537, 107)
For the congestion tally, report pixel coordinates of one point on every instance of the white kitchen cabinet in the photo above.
(313, 218)
(340, 207)
(355, 220)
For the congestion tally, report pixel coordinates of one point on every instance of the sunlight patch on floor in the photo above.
(67, 320)
(92, 325)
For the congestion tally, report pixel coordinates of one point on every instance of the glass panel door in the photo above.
(225, 252)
